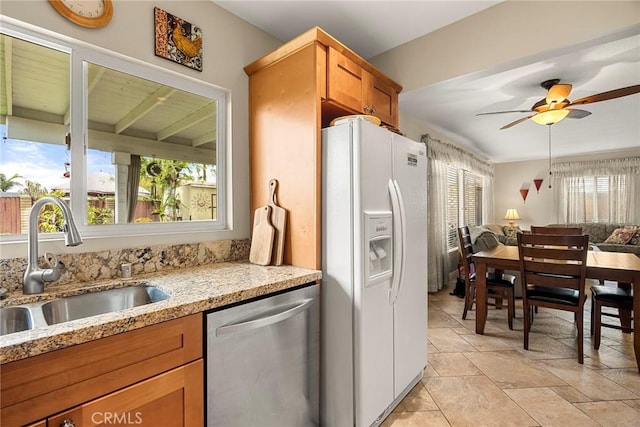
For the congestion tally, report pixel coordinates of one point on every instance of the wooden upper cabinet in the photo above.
(294, 92)
(353, 87)
(345, 81)
(382, 100)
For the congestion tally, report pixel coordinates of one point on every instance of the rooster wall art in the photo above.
(178, 40)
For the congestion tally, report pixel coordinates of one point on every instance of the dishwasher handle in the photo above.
(264, 321)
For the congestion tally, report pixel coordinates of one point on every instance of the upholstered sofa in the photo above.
(489, 235)
(609, 237)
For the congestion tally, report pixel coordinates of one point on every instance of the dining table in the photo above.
(620, 267)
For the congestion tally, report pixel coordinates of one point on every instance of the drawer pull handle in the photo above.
(68, 423)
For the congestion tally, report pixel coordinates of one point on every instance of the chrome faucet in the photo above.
(35, 277)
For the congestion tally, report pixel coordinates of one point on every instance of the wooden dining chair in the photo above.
(563, 231)
(620, 298)
(539, 229)
(499, 286)
(553, 269)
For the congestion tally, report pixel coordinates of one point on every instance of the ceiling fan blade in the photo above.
(604, 96)
(577, 114)
(558, 93)
(516, 122)
(502, 112)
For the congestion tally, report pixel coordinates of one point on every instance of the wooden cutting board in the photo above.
(279, 222)
(262, 237)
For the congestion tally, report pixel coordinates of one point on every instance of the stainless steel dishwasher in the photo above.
(263, 361)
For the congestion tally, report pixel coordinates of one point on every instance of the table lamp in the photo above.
(511, 216)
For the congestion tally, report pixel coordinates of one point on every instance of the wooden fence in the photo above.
(15, 208)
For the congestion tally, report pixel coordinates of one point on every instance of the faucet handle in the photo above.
(51, 260)
(53, 272)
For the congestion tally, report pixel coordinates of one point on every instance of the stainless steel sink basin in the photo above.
(94, 303)
(14, 319)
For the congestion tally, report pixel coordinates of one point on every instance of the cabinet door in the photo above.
(345, 81)
(358, 90)
(172, 399)
(381, 99)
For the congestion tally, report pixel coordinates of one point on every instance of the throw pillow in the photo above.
(621, 236)
(635, 239)
(511, 232)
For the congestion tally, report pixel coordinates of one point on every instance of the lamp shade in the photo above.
(511, 216)
(550, 117)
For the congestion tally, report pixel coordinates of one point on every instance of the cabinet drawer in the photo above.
(34, 388)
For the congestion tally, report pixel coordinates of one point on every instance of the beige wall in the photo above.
(229, 44)
(538, 208)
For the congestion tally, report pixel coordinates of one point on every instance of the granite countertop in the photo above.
(192, 290)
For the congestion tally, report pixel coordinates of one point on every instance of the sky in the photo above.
(44, 163)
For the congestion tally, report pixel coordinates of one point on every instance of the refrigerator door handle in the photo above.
(398, 245)
(403, 238)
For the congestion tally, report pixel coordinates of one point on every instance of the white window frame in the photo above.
(80, 53)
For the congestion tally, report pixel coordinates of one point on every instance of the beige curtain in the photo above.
(441, 154)
(572, 183)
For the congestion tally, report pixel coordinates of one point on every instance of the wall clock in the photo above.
(87, 13)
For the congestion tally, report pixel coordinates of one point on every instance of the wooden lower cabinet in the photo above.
(172, 399)
(151, 376)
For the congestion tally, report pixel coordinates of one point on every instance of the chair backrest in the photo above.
(538, 229)
(554, 261)
(466, 251)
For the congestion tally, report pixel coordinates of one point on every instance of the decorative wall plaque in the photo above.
(178, 40)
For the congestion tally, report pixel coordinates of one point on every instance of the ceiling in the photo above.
(450, 107)
(124, 111)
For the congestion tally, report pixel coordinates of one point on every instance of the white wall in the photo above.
(508, 34)
(229, 44)
(538, 208)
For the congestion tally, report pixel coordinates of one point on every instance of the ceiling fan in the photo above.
(555, 106)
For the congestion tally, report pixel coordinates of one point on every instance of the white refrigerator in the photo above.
(374, 271)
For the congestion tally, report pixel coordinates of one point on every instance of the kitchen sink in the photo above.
(15, 319)
(101, 302)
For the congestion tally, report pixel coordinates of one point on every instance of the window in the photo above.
(603, 197)
(464, 202)
(132, 148)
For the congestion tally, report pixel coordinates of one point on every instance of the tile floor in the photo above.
(490, 380)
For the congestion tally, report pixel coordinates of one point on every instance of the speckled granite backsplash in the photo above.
(102, 265)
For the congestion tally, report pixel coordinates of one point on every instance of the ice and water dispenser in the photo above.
(379, 242)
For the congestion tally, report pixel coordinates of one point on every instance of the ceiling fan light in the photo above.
(550, 117)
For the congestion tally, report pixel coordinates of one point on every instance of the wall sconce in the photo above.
(538, 183)
(523, 193)
(512, 216)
